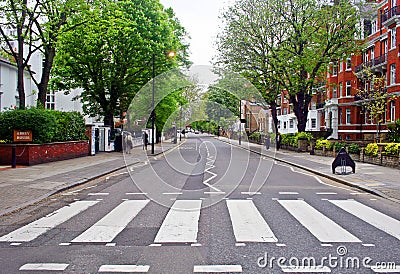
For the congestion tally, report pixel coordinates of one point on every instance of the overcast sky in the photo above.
(200, 19)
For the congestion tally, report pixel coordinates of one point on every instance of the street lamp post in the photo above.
(152, 104)
(170, 54)
(240, 122)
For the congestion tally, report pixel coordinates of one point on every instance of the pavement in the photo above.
(23, 186)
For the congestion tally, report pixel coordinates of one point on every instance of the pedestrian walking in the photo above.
(129, 143)
(278, 141)
(267, 141)
(145, 140)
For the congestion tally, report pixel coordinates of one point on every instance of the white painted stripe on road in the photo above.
(386, 269)
(181, 223)
(369, 245)
(217, 268)
(288, 193)
(247, 222)
(106, 229)
(326, 184)
(33, 230)
(326, 193)
(44, 267)
(323, 228)
(379, 220)
(172, 193)
(136, 193)
(250, 193)
(124, 268)
(306, 269)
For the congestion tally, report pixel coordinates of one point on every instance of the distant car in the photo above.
(196, 132)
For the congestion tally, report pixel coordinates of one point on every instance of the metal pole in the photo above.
(180, 124)
(152, 106)
(240, 122)
(13, 157)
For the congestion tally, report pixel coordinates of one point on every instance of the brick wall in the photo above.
(32, 154)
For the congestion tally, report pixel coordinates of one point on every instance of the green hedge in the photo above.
(292, 139)
(46, 125)
(371, 149)
(394, 132)
(391, 149)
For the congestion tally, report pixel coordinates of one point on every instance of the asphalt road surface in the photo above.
(205, 207)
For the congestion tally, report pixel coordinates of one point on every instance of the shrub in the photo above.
(255, 135)
(285, 139)
(46, 125)
(320, 143)
(339, 145)
(371, 149)
(354, 148)
(394, 132)
(70, 126)
(391, 149)
(42, 123)
(304, 135)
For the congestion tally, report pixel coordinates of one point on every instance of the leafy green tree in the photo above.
(394, 131)
(287, 45)
(31, 28)
(111, 56)
(374, 100)
(15, 34)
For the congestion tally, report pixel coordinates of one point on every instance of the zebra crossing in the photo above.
(181, 223)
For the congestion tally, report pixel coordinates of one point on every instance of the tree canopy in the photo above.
(111, 56)
(33, 28)
(287, 45)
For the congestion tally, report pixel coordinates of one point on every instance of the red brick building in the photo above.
(343, 113)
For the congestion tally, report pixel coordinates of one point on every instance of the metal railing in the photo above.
(394, 11)
(372, 63)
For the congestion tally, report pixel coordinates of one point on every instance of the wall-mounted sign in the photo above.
(22, 135)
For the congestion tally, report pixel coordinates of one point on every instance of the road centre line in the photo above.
(44, 267)
(306, 269)
(124, 268)
(217, 268)
(250, 193)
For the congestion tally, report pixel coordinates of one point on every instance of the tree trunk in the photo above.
(20, 85)
(300, 101)
(109, 119)
(274, 115)
(44, 82)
